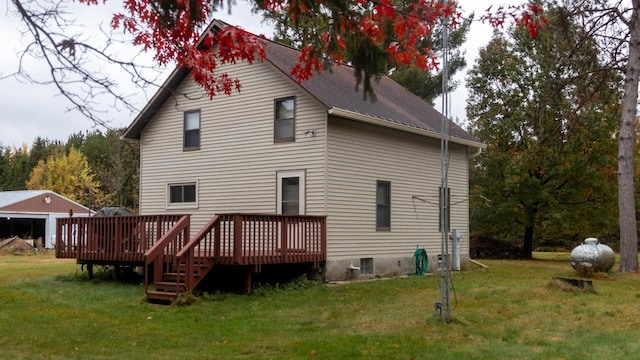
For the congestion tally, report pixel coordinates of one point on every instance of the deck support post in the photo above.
(248, 278)
(90, 270)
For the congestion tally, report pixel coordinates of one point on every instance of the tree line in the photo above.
(93, 168)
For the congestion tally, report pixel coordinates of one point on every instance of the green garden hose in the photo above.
(422, 261)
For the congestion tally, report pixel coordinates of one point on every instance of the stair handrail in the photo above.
(154, 255)
(193, 275)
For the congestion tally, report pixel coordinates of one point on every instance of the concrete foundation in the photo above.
(350, 269)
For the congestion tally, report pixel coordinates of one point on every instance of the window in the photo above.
(383, 206)
(366, 265)
(290, 195)
(284, 126)
(192, 130)
(182, 194)
(290, 191)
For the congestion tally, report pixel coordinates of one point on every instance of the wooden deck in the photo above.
(175, 263)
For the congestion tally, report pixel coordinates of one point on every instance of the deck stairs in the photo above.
(175, 264)
(178, 264)
(174, 282)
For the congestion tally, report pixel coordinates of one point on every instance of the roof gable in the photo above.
(334, 89)
(38, 201)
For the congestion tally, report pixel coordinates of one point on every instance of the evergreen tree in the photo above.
(425, 84)
(547, 109)
(18, 166)
(113, 161)
(4, 166)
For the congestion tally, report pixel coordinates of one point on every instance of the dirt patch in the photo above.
(16, 245)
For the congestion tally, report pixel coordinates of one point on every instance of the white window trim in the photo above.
(301, 174)
(184, 130)
(189, 205)
(275, 120)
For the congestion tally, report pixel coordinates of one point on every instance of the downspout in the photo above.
(475, 154)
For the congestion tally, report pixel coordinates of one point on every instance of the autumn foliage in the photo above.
(68, 175)
(174, 30)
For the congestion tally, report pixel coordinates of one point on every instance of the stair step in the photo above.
(170, 286)
(172, 276)
(164, 296)
(200, 265)
(167, 291)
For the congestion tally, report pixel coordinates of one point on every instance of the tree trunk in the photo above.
(527, 244)
(626, 189)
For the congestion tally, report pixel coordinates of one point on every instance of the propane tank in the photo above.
(591, 256)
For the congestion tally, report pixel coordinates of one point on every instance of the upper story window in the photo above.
(285, 121)
(383, 205)
(192, 130)
(182, 194)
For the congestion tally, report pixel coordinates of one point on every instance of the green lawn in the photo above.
(508, 311)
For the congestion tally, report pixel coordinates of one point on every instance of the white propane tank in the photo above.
(591, 256)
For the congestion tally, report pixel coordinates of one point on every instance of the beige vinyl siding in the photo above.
(235, 168)
(359, 154)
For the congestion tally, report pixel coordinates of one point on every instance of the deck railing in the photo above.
(238, 239)
(110, 238)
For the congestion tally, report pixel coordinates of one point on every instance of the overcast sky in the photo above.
(28, 111)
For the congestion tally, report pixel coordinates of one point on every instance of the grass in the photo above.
(49, 310)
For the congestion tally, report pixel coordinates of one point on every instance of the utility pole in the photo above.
(445, 268)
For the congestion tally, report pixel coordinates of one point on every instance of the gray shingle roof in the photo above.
(335, 90)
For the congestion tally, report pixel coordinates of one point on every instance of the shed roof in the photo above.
(38, 201)
(11, 197)
(334, 89)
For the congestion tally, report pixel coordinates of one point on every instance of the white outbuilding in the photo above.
(32, 214)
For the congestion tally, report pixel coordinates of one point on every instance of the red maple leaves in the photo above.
(172, 30)
(529, 16)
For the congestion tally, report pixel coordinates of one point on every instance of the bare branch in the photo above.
(608, 22)
(83, 67)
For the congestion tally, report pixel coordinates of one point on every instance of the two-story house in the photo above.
(317, 148)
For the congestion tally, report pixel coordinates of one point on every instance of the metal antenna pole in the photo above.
(445, 270)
